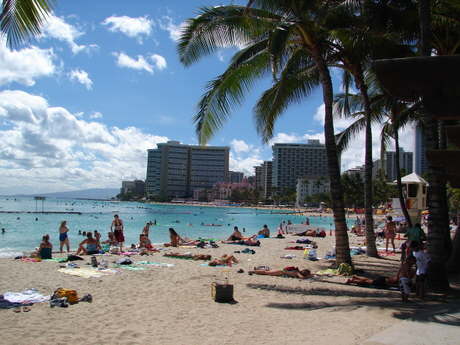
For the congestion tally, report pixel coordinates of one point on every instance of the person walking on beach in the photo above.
(422, 260)
(63, 237)
(117, 227)
(390, 233)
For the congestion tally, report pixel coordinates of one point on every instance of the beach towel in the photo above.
(26, 296)
(130, 267)
(208, 265)
(295, 248)
(56, 260)
(327, 272)
(87, 272)
(31, 260)
(4, 304)
(155, 264)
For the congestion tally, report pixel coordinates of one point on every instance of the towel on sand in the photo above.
(87, 272)
(26, 296)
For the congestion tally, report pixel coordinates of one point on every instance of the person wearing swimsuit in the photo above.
(63, 237)
(390, 233)
(117, 228)
(92, 246)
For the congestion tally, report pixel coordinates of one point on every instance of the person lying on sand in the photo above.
(225, 260)
(189, 256)
(289, 272)
(249, 241)
(380, 281)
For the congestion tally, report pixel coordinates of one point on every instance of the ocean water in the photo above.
(24, 230)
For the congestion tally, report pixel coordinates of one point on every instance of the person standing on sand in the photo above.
(390, 233)
(117, 227)
(63, 237)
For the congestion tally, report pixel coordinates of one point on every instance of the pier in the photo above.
(42, 212)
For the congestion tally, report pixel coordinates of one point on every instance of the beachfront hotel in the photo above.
(176, 170)
(263, 175)
(294, 161)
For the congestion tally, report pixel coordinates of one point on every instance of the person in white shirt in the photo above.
(423, 259)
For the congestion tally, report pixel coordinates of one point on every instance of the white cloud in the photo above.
(82, 77)
(96, 115)
(245, 165)
(58, 28)
(129, 26)
(239, 146)
(44, 148)
(139, 64)
(243, 157)
(167, 24)
(159, 61)
(24, 66)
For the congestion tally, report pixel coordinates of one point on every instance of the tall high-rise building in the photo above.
(235, 176)
(406, 160)
(292, 161)
(176, 170)
(420, 163)
(264, 178)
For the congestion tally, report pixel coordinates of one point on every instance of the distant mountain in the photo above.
(94, 193)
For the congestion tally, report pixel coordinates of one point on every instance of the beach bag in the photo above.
(345, 269)
(71, 295)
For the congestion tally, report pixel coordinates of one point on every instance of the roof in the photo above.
(413, 178)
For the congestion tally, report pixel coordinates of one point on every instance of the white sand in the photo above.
(174, 305)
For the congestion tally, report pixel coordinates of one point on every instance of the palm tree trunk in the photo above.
(341, 236)
(402, 201)
(371, 249)
(438, 246)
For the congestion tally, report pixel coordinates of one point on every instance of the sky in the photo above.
(81, 104)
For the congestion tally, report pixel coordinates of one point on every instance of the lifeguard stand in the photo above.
(414, 190)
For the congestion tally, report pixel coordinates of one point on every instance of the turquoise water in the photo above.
(24, 230)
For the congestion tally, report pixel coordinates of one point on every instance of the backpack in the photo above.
(71, 295)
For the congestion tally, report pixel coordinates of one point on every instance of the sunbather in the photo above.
(45, 249)
(249, 241)
(289, 272)
(236, 235)
(92, 246)
(380, 281)
(225, 260)
(176, 240)
(189, 256)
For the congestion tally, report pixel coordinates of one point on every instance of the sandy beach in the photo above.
(173, 305)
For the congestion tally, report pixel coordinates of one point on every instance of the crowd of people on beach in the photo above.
(413, 250)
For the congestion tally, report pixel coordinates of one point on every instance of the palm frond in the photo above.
(222, 26)
(22, 19)
(344, 138)
(298, 79)
(227, 91)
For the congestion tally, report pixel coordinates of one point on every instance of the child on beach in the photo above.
(405, 275)
(422, 259)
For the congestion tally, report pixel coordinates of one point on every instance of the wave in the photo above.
(9, 253)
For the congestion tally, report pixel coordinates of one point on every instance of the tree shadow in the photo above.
(436, 308)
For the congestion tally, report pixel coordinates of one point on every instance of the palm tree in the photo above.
(391, 114)
(285, 38)
(22, 19)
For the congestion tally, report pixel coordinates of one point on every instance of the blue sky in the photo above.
(80, 105)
